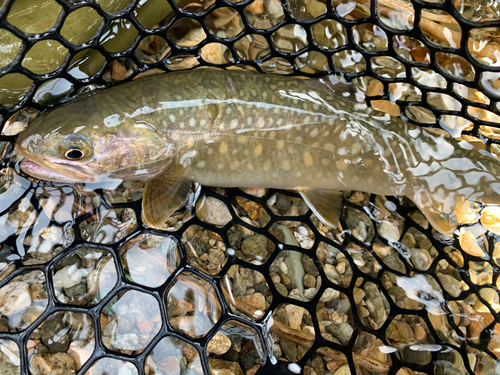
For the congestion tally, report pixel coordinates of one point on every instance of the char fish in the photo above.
(234, 128)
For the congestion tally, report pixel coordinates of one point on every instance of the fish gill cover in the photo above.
(253, 281)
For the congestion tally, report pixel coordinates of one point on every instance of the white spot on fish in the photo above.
(313, 133)
(234, 124)
(201, 164)
(186, 158)
(171, 117)
(192, 122)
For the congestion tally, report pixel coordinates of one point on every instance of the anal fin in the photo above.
(163, 195)
(326, 204)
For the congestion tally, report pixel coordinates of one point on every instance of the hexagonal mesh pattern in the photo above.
(253, 282)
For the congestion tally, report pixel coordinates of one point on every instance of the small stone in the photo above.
(32, 314)
(285, 280)
(216, 257)
(15, 297)
(281, 289)
(358, 295)
(52, 364)
(246, 361)
(170, 365)
(295, 314)
(55, 334)
(342, 331)
(219, 344)
(309, 266)
(67, 277)
(309, 281)
(256, 300)
(221, 367)
(289, 349)
(255, 246)
(329, 294)
(421, 259)
(309, 293)
(332, 273)
(213, 211)
(283, 203)
(389, 230)
(318, 365)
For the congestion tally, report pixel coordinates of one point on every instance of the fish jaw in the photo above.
(40, 172)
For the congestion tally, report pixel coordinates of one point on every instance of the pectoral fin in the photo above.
(326, 204)
(163, 195)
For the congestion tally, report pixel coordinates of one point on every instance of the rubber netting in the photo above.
(437, 62)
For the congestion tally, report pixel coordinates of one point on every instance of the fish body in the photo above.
(233, 128)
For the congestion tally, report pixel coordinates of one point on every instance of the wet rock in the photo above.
(281, 289)
(318, 365)
(255, 246)
(309, 266)
(256, 300)
(170, 365)
(221, 367)
(342, 331)
(213, 211)
(309, 281)
(329, 294)
(399, 331)
(52, 364)
(289, 349)
(219, 344)
(55, 334)
(246, 361)
(295, 314)
(283, 203)
(421, 259)
(67, 276)
(332, 273)
(15, 297)
(32, 314)
(391, 231)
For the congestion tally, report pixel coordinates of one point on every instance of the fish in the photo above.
(226, 128)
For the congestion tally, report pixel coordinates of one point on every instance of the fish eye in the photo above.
(73, 154)
(75, 147)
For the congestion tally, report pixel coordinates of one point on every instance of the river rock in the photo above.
(52, 364)
(213, 211)
(219, 344)
(55, 334)
(221, 367)
(255, 246)
(67, 276)
(15, 297)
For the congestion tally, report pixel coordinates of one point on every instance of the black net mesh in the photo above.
(253, 281)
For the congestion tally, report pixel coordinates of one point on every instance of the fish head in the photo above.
(71, 144)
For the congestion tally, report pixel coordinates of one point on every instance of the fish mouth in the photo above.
(70, 174)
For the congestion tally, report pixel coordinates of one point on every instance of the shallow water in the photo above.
(382, 289)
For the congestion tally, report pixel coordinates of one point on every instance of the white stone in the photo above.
(67, 276)
(15, 297)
